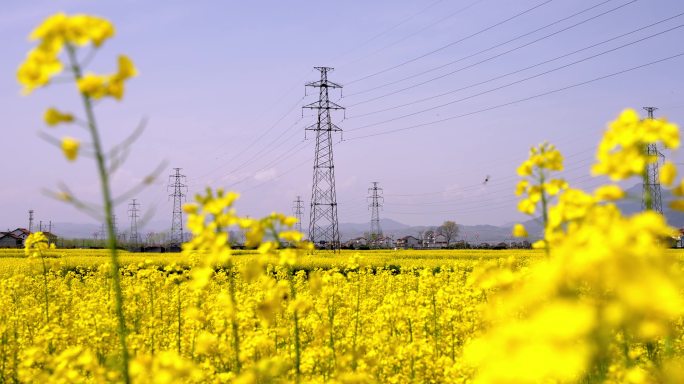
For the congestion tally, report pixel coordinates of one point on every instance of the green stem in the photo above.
(45, 289)
(545, 214)
(293, 294)
(234, 324)
(179, 319)
(108, 207)
(356, 319)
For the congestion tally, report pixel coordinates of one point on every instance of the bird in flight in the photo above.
(486, 180)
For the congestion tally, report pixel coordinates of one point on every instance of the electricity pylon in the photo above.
(176, 182)
(116, 229)
(298, 212)
(133, 209)
(375, 203)
(323, 226)
(651, 197)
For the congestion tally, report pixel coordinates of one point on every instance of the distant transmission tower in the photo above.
(133, 209)
(298, 212)
(176, 182)
(323, 225)
(30, 228)
(652, 187)
(375, 203)
(116, 229)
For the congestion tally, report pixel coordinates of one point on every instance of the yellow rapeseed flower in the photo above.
(53, 117)
(668, 173)
(40, 66)
(519, 230)
(609, 193)
(93, 85)
(70, 148)
(42, 63)
(622, 151)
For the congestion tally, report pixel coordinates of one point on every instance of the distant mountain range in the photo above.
(470, 233)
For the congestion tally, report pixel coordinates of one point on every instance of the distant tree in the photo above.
(449, 230)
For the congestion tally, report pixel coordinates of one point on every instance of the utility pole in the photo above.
(651, 196)
(177, 183)
(323, 224)
(30, 221)
(133, 209)
(40, 226)
(375, 203)
(298, 212)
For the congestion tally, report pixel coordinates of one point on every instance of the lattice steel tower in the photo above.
(116, 229)
(177, 183)
(298, 212)
(375, 203)
(133, 209)
(323, 225)
(651, 196)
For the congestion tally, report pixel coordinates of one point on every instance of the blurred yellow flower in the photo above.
(75, 30)
(70, 148)
(126, 68)
(609, 193)
(53, 117)
(622, 151)
(35, 244)
(668, 173)
(93, 85)
(40, 66)
(519, 230)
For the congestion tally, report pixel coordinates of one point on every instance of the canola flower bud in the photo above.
(53, 117)
(70, 148)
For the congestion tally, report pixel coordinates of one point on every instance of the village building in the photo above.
(407, 242)
(356, 243)
(17, 237)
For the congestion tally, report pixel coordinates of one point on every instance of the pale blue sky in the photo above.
(215, 76)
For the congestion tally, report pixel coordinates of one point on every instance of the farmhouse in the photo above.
(10, 240)
(16, 238)
(434, 240)
(13, 239)
(382, 242)
(408, 242)
(357, 242)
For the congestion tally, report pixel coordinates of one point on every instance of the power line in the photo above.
(254, 142)
(528, 10)
(460, 10)
(293, 150)
(520, 80)
(509, 73)
(519, 100)
(487, 50)
(375, 37)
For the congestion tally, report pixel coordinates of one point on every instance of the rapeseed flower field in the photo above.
(599, 299)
